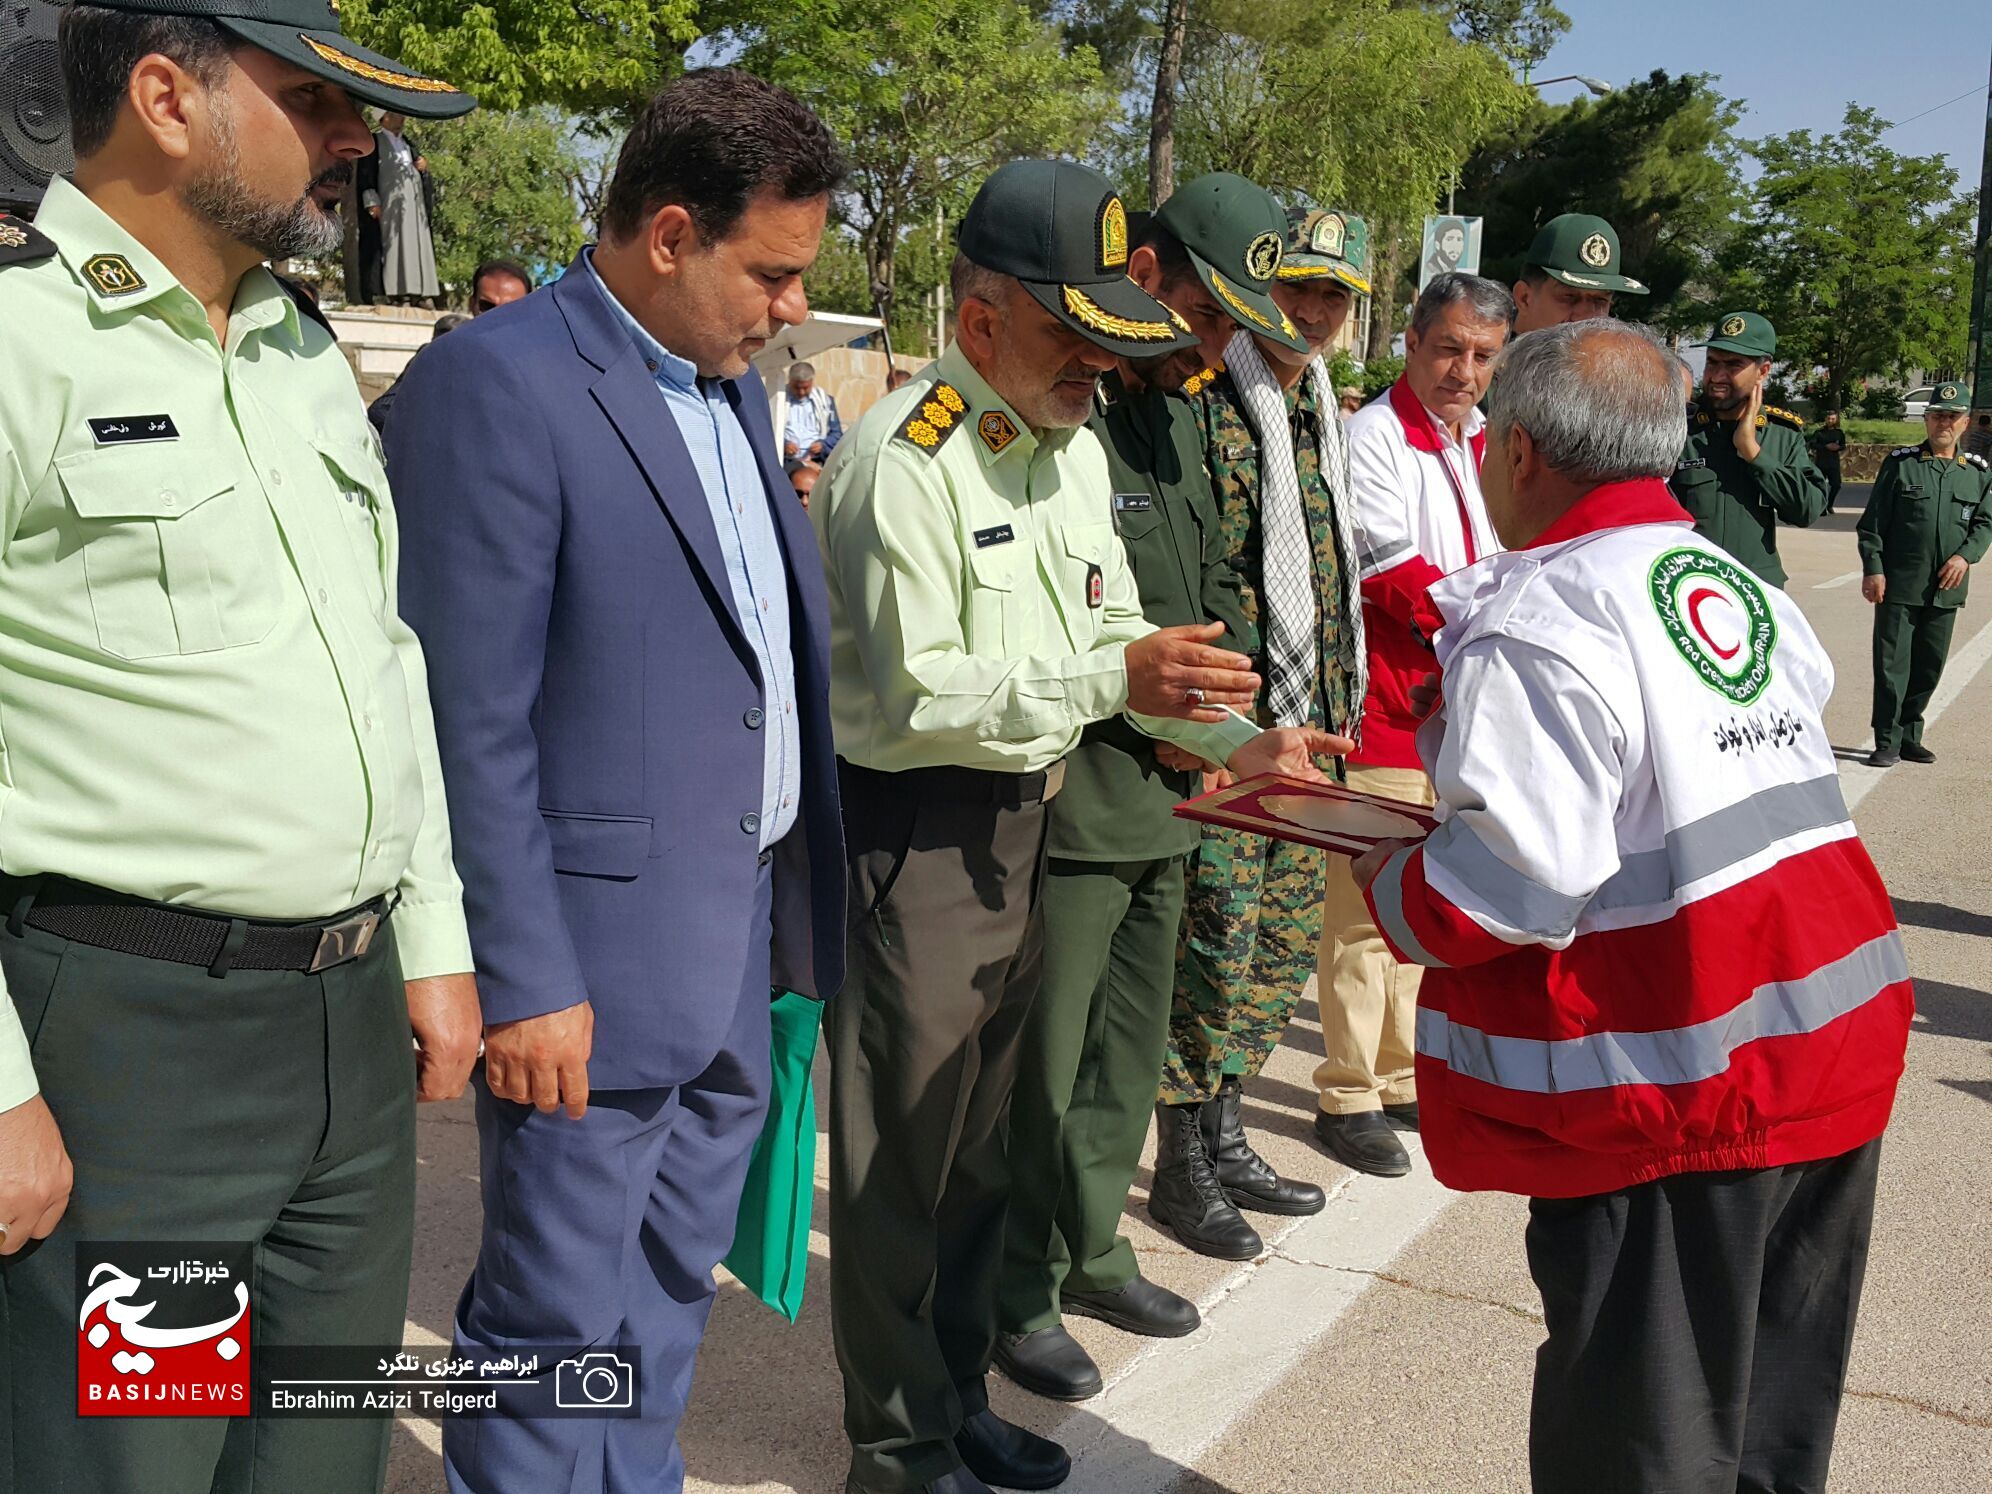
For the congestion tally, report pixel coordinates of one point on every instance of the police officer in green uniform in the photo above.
(983, 613)
(1572, 271)
(225, 857)
(1745, 465)
(1113, 896)
(1928, 522)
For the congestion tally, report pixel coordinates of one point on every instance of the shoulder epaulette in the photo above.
(1907, 451)
(1785, 417)
(1975, 460)
(1203, 379)
(21, 243)
(934, 419)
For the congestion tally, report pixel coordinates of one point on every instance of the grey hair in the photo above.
(801, 371)
(1600, 399)
(969, 281)
(1485, 299)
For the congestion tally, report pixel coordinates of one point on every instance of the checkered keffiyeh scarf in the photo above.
(1286, 586)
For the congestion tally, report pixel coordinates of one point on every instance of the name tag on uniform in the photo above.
(1692, 462)
(120, 430)
(1133, 503)
(1002, 534)
(1096, 587)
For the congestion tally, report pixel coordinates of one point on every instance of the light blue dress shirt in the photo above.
(755, 572)
(803, 427)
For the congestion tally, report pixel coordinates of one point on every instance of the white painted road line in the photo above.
(1189, 1392)
(1857, 779)
(1846, 580)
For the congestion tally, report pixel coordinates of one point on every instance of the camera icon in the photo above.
(600, 1381)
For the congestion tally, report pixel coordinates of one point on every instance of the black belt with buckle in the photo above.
(970, 785)
(160, 931)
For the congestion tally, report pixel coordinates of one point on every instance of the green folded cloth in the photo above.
(770, 1251)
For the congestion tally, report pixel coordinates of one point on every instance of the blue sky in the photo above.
(1796, 66)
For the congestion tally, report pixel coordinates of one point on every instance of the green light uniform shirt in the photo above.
(964, 556)
(206, 695)
(1737, 504)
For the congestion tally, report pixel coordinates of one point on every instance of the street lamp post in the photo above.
(1597, 86)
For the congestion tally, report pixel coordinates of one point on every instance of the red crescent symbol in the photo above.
(1695, 600)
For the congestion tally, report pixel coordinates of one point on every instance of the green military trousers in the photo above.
(1086, 1082)
(1910, 647)
(270, 1108)
(1251, 925)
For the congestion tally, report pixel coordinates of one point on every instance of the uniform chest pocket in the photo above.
(1136, 524)
(361, 483)
(179, 553)
(1089, 551)
(995, 625)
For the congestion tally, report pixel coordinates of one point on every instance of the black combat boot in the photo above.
(1186, 1199)
(1247, 1178)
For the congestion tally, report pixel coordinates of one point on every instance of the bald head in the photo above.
(1573, 407)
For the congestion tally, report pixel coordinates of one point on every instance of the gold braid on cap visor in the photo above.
(374, 74)
(1091, 314)
(1232, 300)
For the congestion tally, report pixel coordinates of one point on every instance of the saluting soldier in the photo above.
(1113, 899)
(1928, 522)
(1745, 465)
(1573, 270)
(1279, 462)
(983, 613)
(227, 876)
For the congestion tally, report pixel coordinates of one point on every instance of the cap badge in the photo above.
(112, 274)
(1113, 234)
(1947, 392)
(1089, 313)
(1596, 251)
(996, 430)
(1262, 256)
(1732, 326)
(1328, 233)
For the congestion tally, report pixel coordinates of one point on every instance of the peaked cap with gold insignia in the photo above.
(1235, 234)
(1582, 251)
(1326, 244)
(1061, 230)
(307, 34)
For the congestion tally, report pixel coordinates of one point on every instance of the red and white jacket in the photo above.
(1418, 501)
(1657, 943)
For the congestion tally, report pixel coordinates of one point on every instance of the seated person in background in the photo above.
(807, 419)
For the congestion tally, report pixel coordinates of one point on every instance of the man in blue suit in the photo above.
(625, 624)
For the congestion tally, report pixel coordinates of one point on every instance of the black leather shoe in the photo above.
(1883, 757)
(1402, 1115)
(1916, 752)
(1247, 1178)
(1186, 1199)
(1363, 1141)
(1049, 1362)
(1139, 1307)
(1011, 1457)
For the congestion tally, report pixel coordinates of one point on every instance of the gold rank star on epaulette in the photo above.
(21, 243)
(934, 419)
(1785, 417)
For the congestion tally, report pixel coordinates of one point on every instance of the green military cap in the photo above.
(1949, 397)
(1582, 251)
(1061, 229)
(1235, 233)
(1743, 332)
(307, 33)
(1320, 242)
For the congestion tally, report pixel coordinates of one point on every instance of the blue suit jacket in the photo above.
(593, 687)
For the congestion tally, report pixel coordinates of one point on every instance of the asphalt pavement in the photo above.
(1387, 1344)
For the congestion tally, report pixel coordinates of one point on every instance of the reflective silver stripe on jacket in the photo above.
(1680, 1055)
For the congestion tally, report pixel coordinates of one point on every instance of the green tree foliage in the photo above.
(1521, 32)
(503, 191)
(1363, 104)
(1658, 160)
(599, 60)
(928, 96)
(1855, 252)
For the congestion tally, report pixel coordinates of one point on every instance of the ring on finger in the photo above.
(1193, 696)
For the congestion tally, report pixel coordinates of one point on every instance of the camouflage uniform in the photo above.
(1253, 917)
